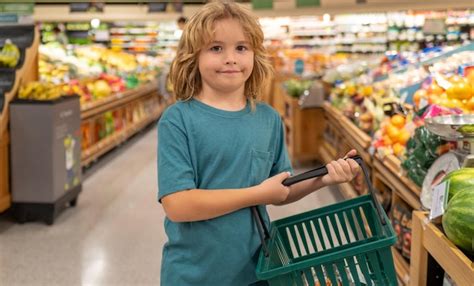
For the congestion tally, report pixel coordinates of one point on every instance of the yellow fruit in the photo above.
(470, 104)
(434, 88)
(459, 90)
(398, 149)
(367, 90)
(392, 132)
(403, 137)
(398, 121)
(386, 140)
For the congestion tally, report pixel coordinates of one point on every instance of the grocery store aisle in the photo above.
(114, 235)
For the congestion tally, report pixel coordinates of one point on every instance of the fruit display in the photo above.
(295, 88)
(9, 55)
(92, 72)
(393, 136)
(458, 220)
(115, 121)
(40, 91)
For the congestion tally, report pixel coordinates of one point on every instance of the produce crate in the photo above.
(303, 130)
(387, 171)
(428, 238)
(358, 138)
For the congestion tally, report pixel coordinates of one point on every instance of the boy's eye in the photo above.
(242, 48)
(216, 48)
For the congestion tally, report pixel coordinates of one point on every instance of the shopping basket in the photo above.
(347, 243)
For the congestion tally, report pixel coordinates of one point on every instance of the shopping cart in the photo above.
(347, 243)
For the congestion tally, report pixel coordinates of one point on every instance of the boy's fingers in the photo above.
(351, 153)
(354, 166)
(337, 168)
(284, 175)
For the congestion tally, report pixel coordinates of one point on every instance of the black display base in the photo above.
(47, 212)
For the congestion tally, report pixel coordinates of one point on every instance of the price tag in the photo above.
(439, 200)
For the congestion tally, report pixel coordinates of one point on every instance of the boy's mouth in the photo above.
(229, 71)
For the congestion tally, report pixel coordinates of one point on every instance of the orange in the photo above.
(460, 90)
(434, 88)
(398, 121)
(392, 132)
(398, 149)
(386, 140)
(470, 104)
(404, 137)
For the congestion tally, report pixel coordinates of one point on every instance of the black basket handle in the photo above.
(318, 172)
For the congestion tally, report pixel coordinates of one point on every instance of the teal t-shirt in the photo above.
(201, 147)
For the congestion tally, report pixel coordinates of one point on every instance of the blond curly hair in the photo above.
(184, 72)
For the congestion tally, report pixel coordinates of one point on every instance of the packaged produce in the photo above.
(9, 55)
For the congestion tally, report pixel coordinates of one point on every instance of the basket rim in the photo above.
(386, 239)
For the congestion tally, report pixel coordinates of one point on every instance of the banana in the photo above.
(9, 55)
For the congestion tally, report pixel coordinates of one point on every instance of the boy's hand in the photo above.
(272, 190)
(341, 171)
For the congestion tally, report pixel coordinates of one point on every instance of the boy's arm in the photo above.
(198, 204)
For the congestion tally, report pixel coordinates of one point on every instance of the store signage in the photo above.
(174, 7)
(86, 7)
(434, 26)
(307, 3)
(156, 7)
(8, 18)
(262, 4)
(17, 8)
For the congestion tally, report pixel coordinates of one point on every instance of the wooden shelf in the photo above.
(359, 139)
(428, 238)
(393, 164)
(402, 267)
(5, 198)
(398, 183)
(100, 106)
(347, 191)
(110, 142)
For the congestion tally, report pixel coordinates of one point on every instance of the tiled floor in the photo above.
(115, 234)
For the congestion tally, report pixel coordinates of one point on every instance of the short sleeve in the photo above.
(175, 169)
(281, 161)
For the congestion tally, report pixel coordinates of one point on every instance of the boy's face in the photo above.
(227, 61)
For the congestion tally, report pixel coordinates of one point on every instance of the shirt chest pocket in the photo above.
(261, 166)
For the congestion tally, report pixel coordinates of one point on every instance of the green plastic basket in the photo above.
(347, 243)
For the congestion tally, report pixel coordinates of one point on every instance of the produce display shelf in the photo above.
(402, 267)
(348, 191)
(407, 190)
(108, 143)
(5, 197)
(428, 238)
(359, 139)
(118, 99)
(27, 72)
(22, 76)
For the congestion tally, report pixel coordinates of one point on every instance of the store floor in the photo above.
(115, 233)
